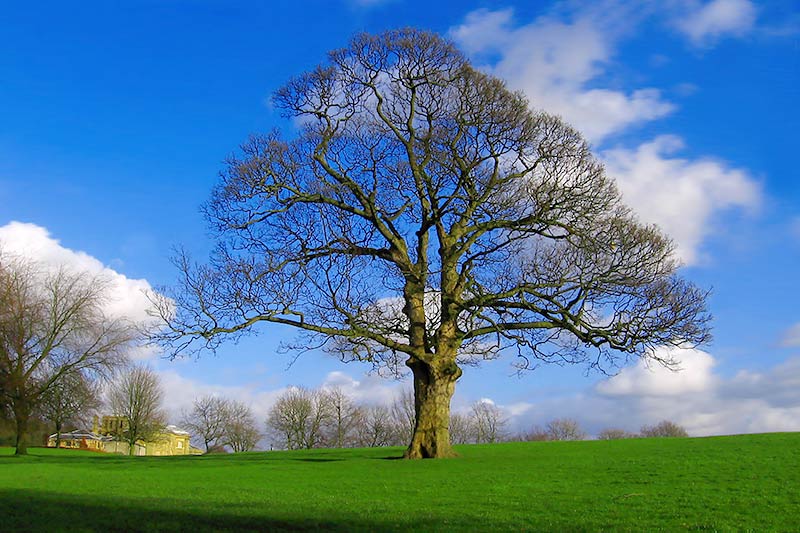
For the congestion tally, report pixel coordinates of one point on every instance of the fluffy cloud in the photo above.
(557, 61)
(680, 195)
(554, 63)
(694, 374)
(699, 399)
(127, 297)
(704, 24)
(370, 389)
(791, 337)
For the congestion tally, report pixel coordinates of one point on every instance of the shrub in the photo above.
(614, 434)
(665, 428)
(565, 429)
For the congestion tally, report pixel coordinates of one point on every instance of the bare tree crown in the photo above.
(416, 178)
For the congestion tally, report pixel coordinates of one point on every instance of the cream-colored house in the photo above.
(82, 440)
(171, 441)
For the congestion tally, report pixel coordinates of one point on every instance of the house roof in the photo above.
(175, 430)
(80, 434)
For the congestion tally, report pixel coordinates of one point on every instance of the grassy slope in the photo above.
(722, 483)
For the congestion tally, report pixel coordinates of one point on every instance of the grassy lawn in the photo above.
(720, 483)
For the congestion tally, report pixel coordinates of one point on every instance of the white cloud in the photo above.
(699, 399)
(679, 195)
(653, 379)
(127, 297)
(483, 31)
(704, 24)
(791, 337)
(180, 393)
(555, 63)
(370, 389)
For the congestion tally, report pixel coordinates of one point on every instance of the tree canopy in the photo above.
(425, 215)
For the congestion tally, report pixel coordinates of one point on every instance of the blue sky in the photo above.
(115, 118)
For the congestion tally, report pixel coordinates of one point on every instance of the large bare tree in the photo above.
(52, 325)
(136, 396)
(425, 215)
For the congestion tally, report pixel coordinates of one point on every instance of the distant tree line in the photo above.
(303, 418)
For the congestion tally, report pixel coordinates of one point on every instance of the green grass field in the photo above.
(749, 482)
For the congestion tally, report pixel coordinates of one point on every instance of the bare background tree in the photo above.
(556, 429)
(52, 325)
(462, 429)
(665, 428)
(136, 396)
(404, 416)
(565, 429)
(207, 419)
(71, 400)
(426, 216)
(344, 415)
(240, 431)
(488, 422)
(299, 418)
(615, 434)
(375, 427)
(535, 434)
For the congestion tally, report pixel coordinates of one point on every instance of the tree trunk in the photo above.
(58, 434)
(21, 445)
(433, 388)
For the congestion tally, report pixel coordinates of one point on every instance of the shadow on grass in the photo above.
(316, 455)
(320, 455)
(29, 510)
(317, 459)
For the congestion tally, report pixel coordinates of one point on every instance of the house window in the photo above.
(180, 444)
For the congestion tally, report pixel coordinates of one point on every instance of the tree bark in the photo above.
(21, 445)
(58, 434)
(434, 385)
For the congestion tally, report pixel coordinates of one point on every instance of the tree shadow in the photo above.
(29, 510)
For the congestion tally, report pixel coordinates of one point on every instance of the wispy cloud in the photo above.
(706, 23)
(791, 337)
